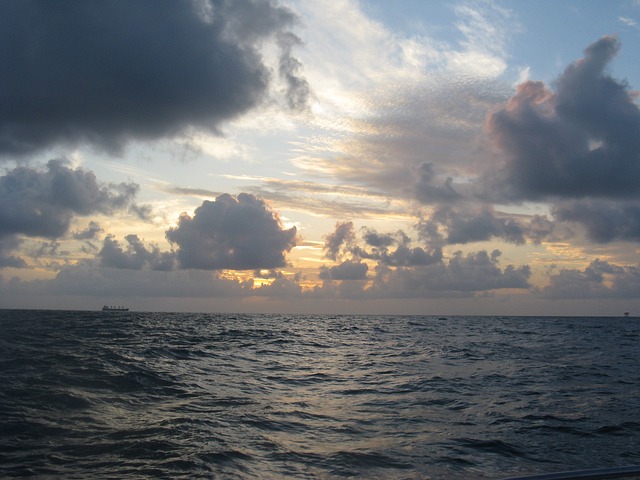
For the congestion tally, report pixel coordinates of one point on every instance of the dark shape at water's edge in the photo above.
(107, 308)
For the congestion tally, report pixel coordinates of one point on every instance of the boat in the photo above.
(107, 308)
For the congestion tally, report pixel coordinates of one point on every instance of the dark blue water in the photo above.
(155, 395)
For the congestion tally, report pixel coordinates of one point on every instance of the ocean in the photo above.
(180, 395)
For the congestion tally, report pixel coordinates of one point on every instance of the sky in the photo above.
(411, 157)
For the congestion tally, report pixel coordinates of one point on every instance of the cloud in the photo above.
(600, 279)
(604, 221)
(108, 72)
(485, 28)
(280, 287)
(237, 233)
(136, 256)
(47, 249)
(459, 276)
(377, 247)
(448, 225)
(475, 225)
(343, 235)
(428, 191)
(272, 273)
(411, 139)
(397, 114)
(91, 232)
(629, 22)
(196, 192)
(581, 138)
(347, 270)
(382, 240)
(327, 199)
(402, 256)
(86, 280)
(36, 202)
(298, 90)
(540, 228)
(9, 243)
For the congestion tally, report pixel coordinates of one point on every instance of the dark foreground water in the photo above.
(154, 395)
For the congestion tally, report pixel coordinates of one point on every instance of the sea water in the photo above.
(175, 395)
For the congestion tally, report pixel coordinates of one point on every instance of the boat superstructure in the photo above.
(108, 308)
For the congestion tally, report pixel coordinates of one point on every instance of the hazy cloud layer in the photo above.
(347, 270)
(87, 280)
(581, 138)
(236, 233)
(600, 279)
(459, 276)
(42, 202)
(106, 72)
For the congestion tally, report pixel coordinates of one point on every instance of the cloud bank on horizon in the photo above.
(421, 133)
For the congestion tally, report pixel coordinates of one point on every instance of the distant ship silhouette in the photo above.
(107, 308)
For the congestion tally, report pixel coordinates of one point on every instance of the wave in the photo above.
(252, 396)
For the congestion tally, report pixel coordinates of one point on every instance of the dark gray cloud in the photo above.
(342, 236)
(580, 139)
(136, 256)
(109, 71)
(37, 202)
(540, 228)
(430, 189)
(404, 256)
(232, 233)
(449, 225)
(9, 243)
(604, 221)
(89, 233)
(476, 225)
(378, 248)
(600, 279)
(347, 270)
(381, 240)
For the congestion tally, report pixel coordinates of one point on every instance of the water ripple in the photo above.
(148, 395)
